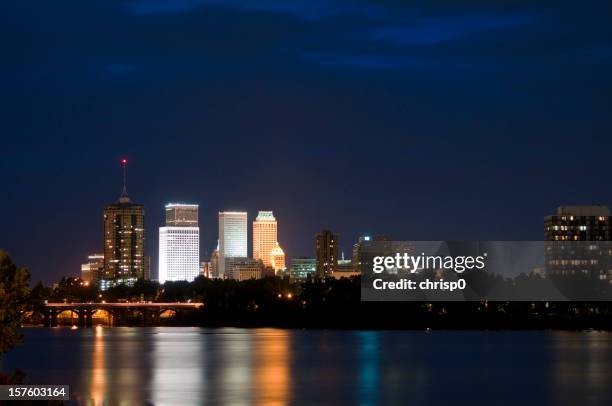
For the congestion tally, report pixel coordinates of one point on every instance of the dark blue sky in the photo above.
(434, 120)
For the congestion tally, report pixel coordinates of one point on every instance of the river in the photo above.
(235, 366)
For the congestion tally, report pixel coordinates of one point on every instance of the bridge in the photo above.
(118, 313)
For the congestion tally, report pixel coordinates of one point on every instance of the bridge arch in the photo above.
(167, 313)
(68, 317)
(33, 317)
(101, 317)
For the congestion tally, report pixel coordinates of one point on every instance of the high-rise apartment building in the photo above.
(124, 241)
(265, 236)
(179, 244)
(578, 223)
(233, 239)
(327, 253)
(93, 269)
(578, 242)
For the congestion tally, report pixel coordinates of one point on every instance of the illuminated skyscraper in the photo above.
(264, 236)
(327, 253)
(123, 241)
(277, 258)
(179, 244)
(233, 239)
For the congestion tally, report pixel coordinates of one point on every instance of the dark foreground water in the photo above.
(184, 366)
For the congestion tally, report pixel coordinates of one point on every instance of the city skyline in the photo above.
(205, 251)
(423, 121)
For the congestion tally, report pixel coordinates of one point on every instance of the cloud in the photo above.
(432, 44)
(303, 9)
(363, 61)
(151, 7)
(437, 30)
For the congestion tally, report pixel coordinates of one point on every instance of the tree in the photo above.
(13, 300)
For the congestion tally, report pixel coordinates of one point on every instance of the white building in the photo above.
(233, 240)
(179, 244)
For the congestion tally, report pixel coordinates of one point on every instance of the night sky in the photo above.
(434, 120)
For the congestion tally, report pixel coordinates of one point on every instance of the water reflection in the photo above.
(272, 384)
(97, 387)
(234, 367)
(178, 367)
(191, 366)
(368, 372)
(582, 362)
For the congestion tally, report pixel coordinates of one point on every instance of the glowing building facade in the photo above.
(233, 239)
(277, 256)
(179, 244)
(265, 236)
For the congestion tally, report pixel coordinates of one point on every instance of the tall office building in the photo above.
(578, 242)
(93, 269)
(233, 239)
(179, 244)
(124, 241)
(265, 236)
(327, 253)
